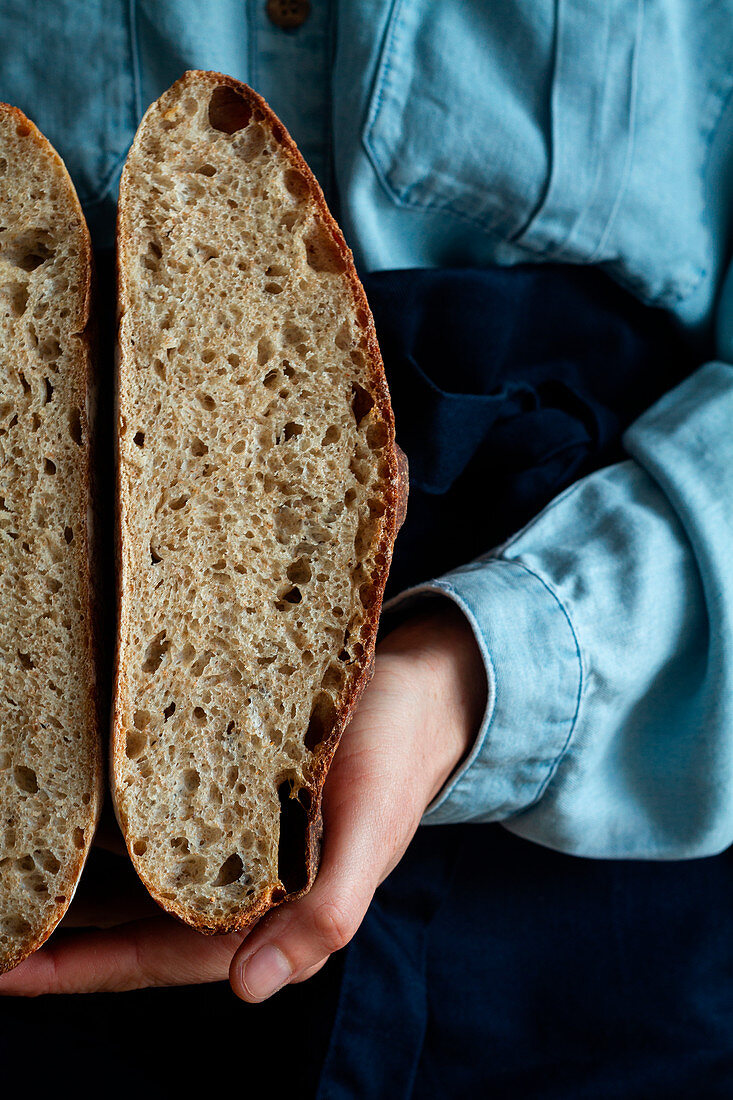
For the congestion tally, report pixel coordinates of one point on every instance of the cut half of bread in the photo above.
(260, 491)
(50, 759)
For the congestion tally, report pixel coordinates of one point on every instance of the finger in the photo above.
(157, 952)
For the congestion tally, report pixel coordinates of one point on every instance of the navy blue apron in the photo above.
(486, 965)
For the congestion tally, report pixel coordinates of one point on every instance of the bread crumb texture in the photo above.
(48, 749)
(257, 471)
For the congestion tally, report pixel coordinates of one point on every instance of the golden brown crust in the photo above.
(28, 130)
(395, 500)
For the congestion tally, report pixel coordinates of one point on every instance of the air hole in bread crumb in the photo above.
(342, 338)
(251, 143)
(49, 351)
(291, 430)
(294, 595)
(179, 502)
(293, 334)
(230, 870)
(200, 664)
(68, 534)
(377, 436)
(322, 720)
(206, 401)
(291, 853)
(199, 716)
(155, 557)
(16, 295)
(273, 288)
(296, 184)
(362, 402)
(75, 426)
(360, 470)
(367, 593)
(299, 571)
(191, 780)
(228, 110)
(333, 678)
(25, 660)
(331, 435)
(206, 170)
(155, 652)
(16, 926)
(135, 742)
(47, 860)
(25, 779)
(169, 711)
(139, 439)
(28, 250)
(49, 392)
(140, 847)
(141, 719)
(322, 252)
(187, 654)
(198, 448)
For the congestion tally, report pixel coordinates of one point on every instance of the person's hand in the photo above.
(413, 725)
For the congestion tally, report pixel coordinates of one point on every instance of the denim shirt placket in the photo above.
(292, 70)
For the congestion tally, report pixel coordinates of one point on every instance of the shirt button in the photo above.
(288, 14)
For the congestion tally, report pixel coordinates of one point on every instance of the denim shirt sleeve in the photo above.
(607, 630)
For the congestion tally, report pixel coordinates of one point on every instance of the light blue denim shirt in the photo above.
(468, 133)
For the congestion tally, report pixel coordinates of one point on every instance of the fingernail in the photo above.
(266, 972)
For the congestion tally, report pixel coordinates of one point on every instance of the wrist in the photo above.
(438, 655)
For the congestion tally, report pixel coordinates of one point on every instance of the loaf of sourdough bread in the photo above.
(50, 759)
(260, 490)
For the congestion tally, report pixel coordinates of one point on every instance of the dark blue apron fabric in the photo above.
(508, 384)
(486, 966)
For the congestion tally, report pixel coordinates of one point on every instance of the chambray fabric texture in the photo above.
(445, 134)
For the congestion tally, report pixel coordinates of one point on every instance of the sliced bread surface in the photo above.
(260, 491)
(50, 757)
